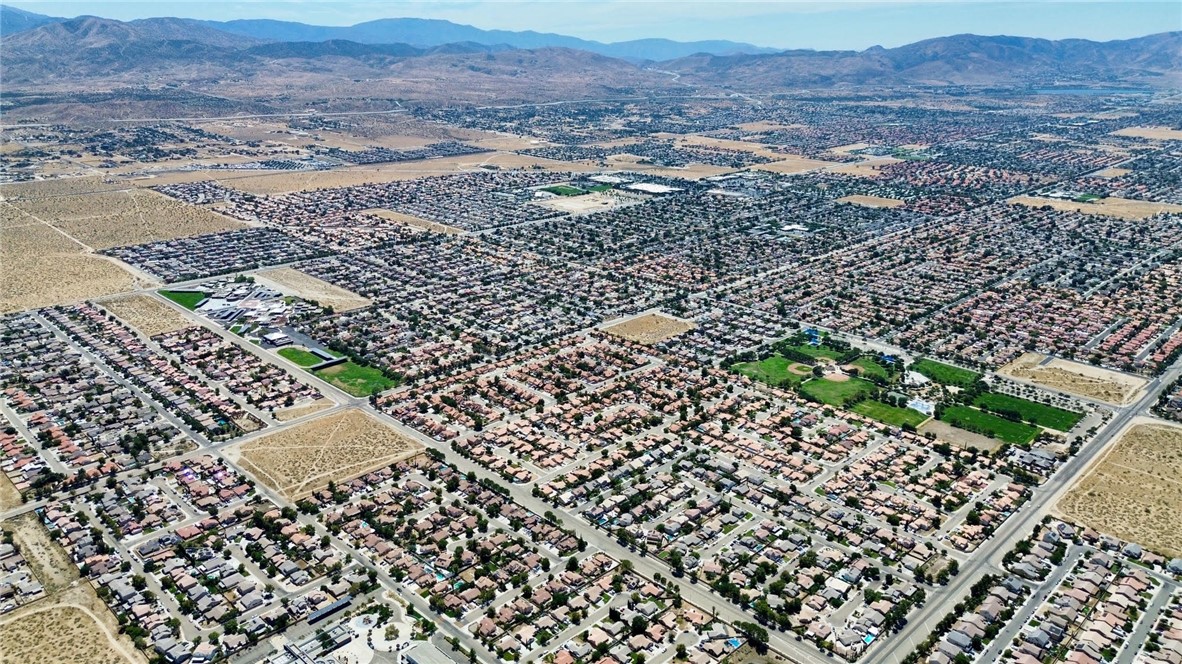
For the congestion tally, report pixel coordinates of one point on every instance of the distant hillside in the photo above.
(13, 20)
(957, 60)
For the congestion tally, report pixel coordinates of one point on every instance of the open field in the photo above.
(788, 165)
(816, 352)
(58, 187)
(836, 392)
(1122, 208)
(41, 266)
(847, 149)
(1112, 172)
(296, 412)
(868, 367)
(300, 356)
(989, 425)
(337, 447)
(414, 221)
(355, 379)
(775, 370)
(1135, 491)
(690, 172)
(889, 414)
(585, 204)
(1084, 380)
(293, 282)
(187, 299)
(61, 634)
(9, 496)
(950, 434)
(146, 314)
(946, 374)
(1031, 411)
(46, 559)
(116, 218)
(871, 201)
(1155, 133)
(650, 328)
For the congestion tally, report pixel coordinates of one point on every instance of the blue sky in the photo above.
(835, 24)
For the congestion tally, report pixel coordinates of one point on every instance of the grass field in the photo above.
(564, 190)
(981, 422)
(889, 414)
(1041, 414)
(772, 370)
(300, 356)
(836, 393)
(868, 367)
(946, 374)
(188, 300)
(816, 352)
(355, 379)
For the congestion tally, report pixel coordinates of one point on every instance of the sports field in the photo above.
(774, 370)
(868, 367)
(836, 392)
(889, 414)
(1031, 411)
(186, 299)
(946, 374)
(300, 356)
(971, 419)
(355, 379)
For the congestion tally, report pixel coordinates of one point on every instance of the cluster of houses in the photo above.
(188, 258)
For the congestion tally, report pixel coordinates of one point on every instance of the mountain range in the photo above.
(292, 65)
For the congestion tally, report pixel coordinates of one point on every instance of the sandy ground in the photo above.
(1135, 490)
(283, 182)
(1122, 208)
(116, 218)
(416, 222)
(871, 169)
(763, 125)
(293, 282)
(793, 165)
(296, 412)
(9, 496)
(846, 149)
(336, 447)
(41, 266)
(1112, 172)
(631, 162)
(1155, 133)
(585, 204)
(1076, 378)
(650, 328)
(146, 314)
(955, 436)
(73, 628)
(871, 201)
(58, 187)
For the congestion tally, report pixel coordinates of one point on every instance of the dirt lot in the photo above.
(1135, 490)
(72, 629)
(1113, 172)
(1122, 208)
(293, 282)
(414, 221)
(146, 314)
(1155, 133)
(1076, 378)
(846, 149)
(296, 412)
(691, 172)
(871, 201)
(132, 216)
(585, 204)
(49, 562)
(955, 436)
(336, 447)
(41, 266)
(59, 187)
(650, 328)
(9, 496)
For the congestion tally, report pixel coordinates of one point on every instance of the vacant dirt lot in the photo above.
(1082, 379)
(1113, 172)
(146, 314)
(951, 434)
(650, 328)
(49, 632)
(59, 187)
(1135, 490)
(40, 266)
(871, 201)
(335, 447)
(116, 218)
(296, 412)
(9, 496)
(1155, 133)
(414, 221)
(1122, 208)
(294, 282)
(585, 204)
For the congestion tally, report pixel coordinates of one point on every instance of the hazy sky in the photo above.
(834, 24)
